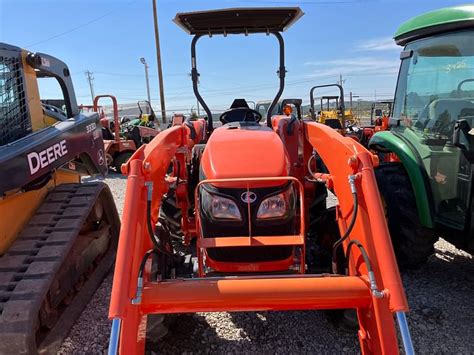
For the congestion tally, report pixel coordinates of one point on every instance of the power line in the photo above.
(96, 19)
(215, 93)
(137, 75)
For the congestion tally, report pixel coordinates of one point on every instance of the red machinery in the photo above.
(117, 149)
(120, 144)
(246, 217)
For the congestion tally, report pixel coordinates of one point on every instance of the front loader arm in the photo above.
(149, 163)
(345, 159)
(133, 297)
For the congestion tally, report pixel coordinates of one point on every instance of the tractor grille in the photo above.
(14, 119)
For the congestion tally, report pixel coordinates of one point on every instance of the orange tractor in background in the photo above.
(380, 115)
(121, 139)
(209, 225)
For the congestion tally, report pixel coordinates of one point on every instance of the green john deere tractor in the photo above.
(428, 187)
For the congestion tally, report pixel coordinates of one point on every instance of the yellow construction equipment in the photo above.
(57, 235)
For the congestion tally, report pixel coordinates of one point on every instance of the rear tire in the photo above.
(412, 242)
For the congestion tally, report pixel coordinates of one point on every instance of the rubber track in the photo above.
(28, 268)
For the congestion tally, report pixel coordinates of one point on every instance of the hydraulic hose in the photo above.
(149, 225)
(138, 295)
(157, 246)
(373, 283)
(348, 231)
(144, 260)
(365, 256)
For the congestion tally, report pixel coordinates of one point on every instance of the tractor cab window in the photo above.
(436, 86)
(52, 100)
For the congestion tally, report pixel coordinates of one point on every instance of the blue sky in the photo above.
(347, 37)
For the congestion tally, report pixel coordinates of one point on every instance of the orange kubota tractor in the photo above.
(209, 225)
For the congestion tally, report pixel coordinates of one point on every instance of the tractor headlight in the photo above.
(218, 207)
(277, 206)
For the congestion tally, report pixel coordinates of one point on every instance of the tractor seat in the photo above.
(240, 111)
(54, 112)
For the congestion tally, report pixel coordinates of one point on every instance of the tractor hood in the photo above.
(240, 150)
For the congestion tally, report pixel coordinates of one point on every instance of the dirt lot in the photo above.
(440, 295)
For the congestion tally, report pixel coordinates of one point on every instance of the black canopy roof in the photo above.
(238, 20)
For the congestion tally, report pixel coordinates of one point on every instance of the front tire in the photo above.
(412, 242)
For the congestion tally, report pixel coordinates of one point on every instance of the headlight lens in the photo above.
(217, 207)
(277, 206)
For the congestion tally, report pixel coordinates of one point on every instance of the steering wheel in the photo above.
(247, 114)
(441, 127)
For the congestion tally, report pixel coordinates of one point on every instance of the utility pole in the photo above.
(375, 93)
(158, 60)
(143, 61)
(90, 79)
(340, 80)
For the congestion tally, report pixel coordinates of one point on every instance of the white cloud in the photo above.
(378, 44)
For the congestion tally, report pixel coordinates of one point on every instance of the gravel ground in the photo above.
(440, 296)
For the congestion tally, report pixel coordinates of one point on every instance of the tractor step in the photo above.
(58, 259)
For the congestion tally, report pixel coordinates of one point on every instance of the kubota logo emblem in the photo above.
(248, 197)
